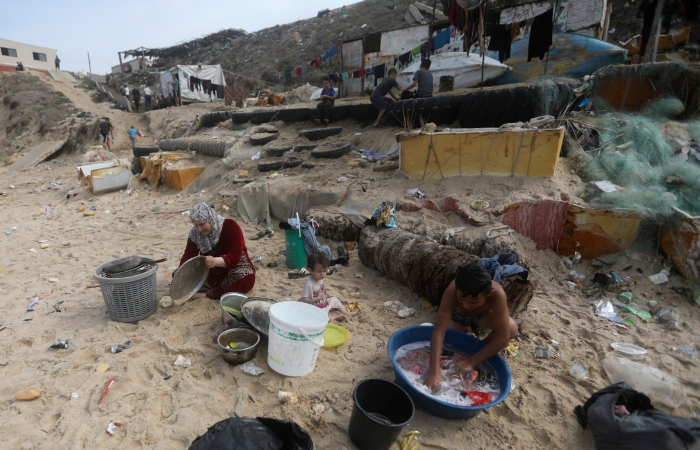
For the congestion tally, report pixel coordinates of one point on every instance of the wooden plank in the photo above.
(37, 155)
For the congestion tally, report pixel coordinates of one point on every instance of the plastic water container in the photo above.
(295, 337)
(295, 251)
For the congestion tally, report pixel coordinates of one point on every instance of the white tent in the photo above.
(200, 82)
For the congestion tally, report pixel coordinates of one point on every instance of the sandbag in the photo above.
(253, 434)
(644, 428)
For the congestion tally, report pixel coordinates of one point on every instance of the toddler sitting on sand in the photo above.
(315, 292)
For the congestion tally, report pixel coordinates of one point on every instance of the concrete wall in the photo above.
(134, 63)
(25, 55)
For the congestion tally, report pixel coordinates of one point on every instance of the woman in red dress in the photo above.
(221, 241)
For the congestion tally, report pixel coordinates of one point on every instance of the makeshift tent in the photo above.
(202, 83)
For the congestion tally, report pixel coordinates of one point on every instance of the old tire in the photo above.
(262, 116)
(302, 148)
(145, 150)
(269, 166)
(293, 115)
(332, 151)
(340, 112)
(316, 134)
(307, 166)
(263, 138)
(291, 162)
(364, 112)
(276, 151)
(240, 117)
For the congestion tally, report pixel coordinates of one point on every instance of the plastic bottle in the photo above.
(659, 386)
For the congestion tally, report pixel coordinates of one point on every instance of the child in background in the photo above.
(314, 291)
(132, 136)
(327, 99)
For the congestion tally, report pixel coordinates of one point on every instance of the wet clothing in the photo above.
(239, 273)
(502, 266)
(425, 83)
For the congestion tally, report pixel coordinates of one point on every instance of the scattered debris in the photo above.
(180, 361)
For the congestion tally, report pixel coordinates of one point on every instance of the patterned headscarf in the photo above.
(203, 213)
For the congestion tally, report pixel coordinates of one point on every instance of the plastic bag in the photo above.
(605, 309)
(659, 386)
(254, 434)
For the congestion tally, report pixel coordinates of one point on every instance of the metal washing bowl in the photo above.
(188, 279)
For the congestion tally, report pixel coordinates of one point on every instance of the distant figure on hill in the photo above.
(57, 61)
(424, 79)
(106, 129)
(149, 95)
(137, 98)
(380, 102)
(126, 91)
(327, 99)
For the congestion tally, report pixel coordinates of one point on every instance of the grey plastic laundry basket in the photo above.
(129, 299)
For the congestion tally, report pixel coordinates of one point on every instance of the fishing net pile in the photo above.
(646, 155)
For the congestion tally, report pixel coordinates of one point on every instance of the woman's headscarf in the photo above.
(203, 213)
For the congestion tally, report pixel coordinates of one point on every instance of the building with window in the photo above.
(133, 66)
(31, 56)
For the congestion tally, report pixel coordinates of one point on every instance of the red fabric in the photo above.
(298, 70)
(361, 73)
(231, 247)
(455, 10)
(542, 222)
(478, 398)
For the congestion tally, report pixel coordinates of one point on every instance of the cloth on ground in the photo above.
(540, 35)
(311, 245)
(644, 428)
(385, 215)
(254, 203)
(542, 222)
(503, 266)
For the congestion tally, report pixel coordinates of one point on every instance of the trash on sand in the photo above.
(629, 351)
(342, 179)
(686, 355)
(112, 427)
(571, 285)
(666, 314)
(33, 250)
(108, 384)
(658, 385)
(166, 301)
(28, 394)
(255, 156)
(74, 395)
(604, 308)
(578, 371)
(353, 306)
(287, 397)
(637, 256)
(606, 186)
(39, 298)
(180, 361)
(415, 193)
(673, 325)
(479, 205)
(575, 258)
(512, 349)
(60, 345)
(251, 369)
(155, 208)
(318, 409)
(542, 352)
(660, 278)
(406, 312)
(645, 316)
(625, 297)
(121, 347)
(102, 368)
(407, 438)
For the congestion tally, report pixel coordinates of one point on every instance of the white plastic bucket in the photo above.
(295, 336)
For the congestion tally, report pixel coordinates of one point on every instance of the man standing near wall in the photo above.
(149, 94)
(57, 61)
(137, 98)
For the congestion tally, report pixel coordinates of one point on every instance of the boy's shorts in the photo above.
(468, 321)
(133, 138)
(381, 103)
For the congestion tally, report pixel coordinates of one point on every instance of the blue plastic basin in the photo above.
(460, 341)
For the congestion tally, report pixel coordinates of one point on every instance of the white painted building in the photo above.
(31, 56)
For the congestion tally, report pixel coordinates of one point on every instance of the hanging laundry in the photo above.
(464, 20)
(344, 75)
(304, 69)
(298, 70)
(442, 39)
(416, 53)
(361, 73)
(333, 51)
(540, 36)
(356, 74)
(287, 77)
(514, 31)
(473, 26)
(317, 62)
(405, 58)
(334, 77)
(379, 71)
(500, 40)
(370, 72)
(454, 13)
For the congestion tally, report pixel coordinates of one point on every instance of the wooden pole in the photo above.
(89, 64)
(483, 41)
(121, 65)
(434, 5)
(656, 28)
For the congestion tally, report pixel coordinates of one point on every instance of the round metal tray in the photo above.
(188, 279)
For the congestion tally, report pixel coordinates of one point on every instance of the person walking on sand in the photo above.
(149, 95)
(132, 136)
(106, 129)
(57, 61)
(137, 98)
(126, 92)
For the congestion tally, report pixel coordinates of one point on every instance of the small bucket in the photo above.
(232, 300)
(295, 251)
(381, 409)
(295, 337)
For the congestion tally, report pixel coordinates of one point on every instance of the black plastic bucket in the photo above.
(381, 410)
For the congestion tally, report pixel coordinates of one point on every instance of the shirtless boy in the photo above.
(471, 300)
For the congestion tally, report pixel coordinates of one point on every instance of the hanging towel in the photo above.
(442, 39)
(500, 41)
(356, 74)
(333, 51)
(361, 73)
(379, 71)
(370, 72)
(333, 77)
(344, 75)
(540, 36)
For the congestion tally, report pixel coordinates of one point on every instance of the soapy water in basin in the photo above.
(414, 361)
